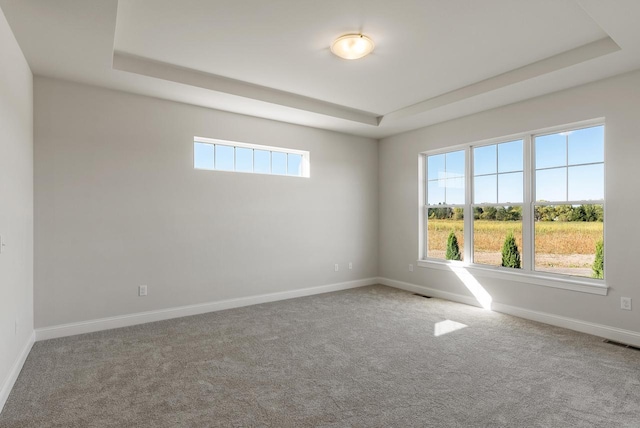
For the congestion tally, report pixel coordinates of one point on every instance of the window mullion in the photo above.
(422, 207)
(497, 174)
(468, 210)
(566, 160)
(528, 206)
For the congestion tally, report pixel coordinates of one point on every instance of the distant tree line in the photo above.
(446, 213)
(499, 213)
(569, 213)
(542, 213)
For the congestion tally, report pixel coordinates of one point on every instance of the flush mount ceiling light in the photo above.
(352, 46)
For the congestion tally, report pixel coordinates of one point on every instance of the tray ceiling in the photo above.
(433, 60)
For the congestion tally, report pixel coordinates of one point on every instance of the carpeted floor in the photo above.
(367, 357)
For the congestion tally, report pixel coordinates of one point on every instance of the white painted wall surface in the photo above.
(618, 101)
(16, 207)
(118, 204)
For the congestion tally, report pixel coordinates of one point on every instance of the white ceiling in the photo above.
(434, 60)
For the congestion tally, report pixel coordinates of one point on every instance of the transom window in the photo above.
(253, 158)
(534, 203)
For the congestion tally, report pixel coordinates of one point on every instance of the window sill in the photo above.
(584, 285)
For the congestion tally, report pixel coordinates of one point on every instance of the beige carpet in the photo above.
(360, 358)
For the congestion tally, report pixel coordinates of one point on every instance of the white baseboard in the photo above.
(183, 311)
(421, 289)
(607, 332)
(10, 380)
(612, 333)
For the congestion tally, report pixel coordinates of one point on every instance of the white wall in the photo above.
(16, 207)
(618, 100)
(119, 204)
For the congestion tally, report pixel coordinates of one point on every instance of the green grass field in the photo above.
(560, 246)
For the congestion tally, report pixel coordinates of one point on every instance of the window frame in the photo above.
(527, 274)
(305, 162)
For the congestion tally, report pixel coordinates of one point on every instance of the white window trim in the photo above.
(306, 156)
(529, 276)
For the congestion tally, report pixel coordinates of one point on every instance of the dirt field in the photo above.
(562, 247)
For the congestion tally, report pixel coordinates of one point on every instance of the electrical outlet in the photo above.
(410, 268)
(336, 267)
(625, 303)
(350, 265)
(142, 290)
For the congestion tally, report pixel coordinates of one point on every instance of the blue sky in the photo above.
(561, 173)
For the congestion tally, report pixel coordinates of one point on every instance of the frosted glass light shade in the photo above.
(352, 46)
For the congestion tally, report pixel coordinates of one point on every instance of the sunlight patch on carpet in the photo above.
(447, 326)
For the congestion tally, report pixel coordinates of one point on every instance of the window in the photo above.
(445, 205)
(569, 201)
(243, 157)
(530, 204)
(498, 196)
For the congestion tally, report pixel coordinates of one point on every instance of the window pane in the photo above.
(440, 223)
(484, 189)
(484, 160)
(224, 158)
(551, 184)
(510, 188)
(586, 182)
(454, 191)
(278, 163)
(586, 145)
(244, 159)
(435, 167)
(262, 161)
(551, 150)
(454, 164)
(294, 164)
(435, 192)
(510, 156)
(566, 239)
(491, 228)
(203, 155)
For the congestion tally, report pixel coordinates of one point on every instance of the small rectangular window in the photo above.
(244, 157)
